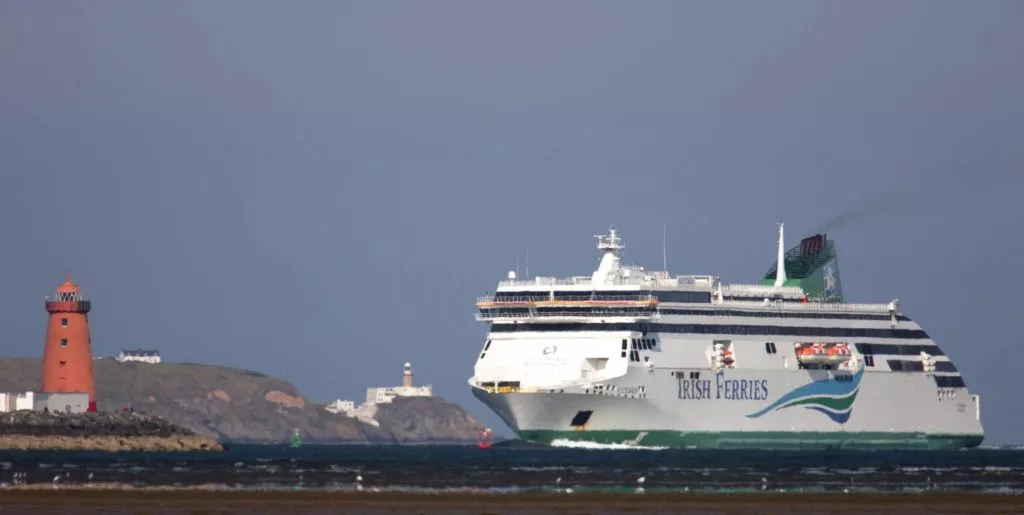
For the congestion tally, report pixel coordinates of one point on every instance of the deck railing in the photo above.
(587, 299)
(608, 315)
(804, 306)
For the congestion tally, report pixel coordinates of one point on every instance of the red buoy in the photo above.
(483, 438)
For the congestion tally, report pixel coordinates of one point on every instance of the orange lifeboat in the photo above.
(812, 353)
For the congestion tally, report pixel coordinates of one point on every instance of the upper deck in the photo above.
(616, 292)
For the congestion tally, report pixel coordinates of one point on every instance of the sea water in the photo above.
(523, 469)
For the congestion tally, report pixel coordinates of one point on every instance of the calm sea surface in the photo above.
(511, 469)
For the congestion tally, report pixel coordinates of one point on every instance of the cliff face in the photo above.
(424, 419)
(237, 405)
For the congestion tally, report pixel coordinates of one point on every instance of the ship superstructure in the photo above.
(630, 356)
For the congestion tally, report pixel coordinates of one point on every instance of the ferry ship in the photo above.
(641, 358)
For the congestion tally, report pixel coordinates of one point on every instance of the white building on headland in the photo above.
(380, 395)
(139, 356)
(38, 401)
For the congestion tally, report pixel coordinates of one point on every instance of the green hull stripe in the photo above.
(762, 440)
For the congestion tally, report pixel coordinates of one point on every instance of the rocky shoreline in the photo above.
(33, 430)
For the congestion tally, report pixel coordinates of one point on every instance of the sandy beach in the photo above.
(160, 501)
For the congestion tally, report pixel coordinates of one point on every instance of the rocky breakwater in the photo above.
(101, 431)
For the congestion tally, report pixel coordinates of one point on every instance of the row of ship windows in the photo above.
(693, 312)
(697, 297)
(898, 350)
(663, 296)
(897, 365)
(868, 350)
(843, 332)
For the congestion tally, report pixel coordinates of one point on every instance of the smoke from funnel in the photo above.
(877, 205)
(887, 203)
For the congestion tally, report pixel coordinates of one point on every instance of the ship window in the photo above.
(683, 296)
(774, 350)
(950, 382)
(767, 347)
(869, 360)
(63, 322)
(898, 350)
(63, 342)
(487, 345)
(623, 353)
(624, 345)
(482, 354)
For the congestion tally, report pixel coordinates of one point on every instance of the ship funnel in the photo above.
(780, 269)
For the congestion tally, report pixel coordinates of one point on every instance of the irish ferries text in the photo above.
(728, 389)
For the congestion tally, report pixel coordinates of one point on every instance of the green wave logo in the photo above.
(828, 396)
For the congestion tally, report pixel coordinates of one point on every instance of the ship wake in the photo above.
(583, 444)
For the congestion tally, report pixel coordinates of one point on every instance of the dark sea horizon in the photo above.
(512, 468)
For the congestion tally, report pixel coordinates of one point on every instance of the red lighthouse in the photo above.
(67, 358)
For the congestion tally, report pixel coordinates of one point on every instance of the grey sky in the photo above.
(320, 190)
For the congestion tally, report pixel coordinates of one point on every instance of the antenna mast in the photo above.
(664, 246)
(527, 263)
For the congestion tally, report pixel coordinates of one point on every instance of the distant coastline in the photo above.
(232, 405)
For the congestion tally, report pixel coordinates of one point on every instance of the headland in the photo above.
(232, 405)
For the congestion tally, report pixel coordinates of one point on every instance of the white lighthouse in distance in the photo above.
(381, 395)
(407, 375)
